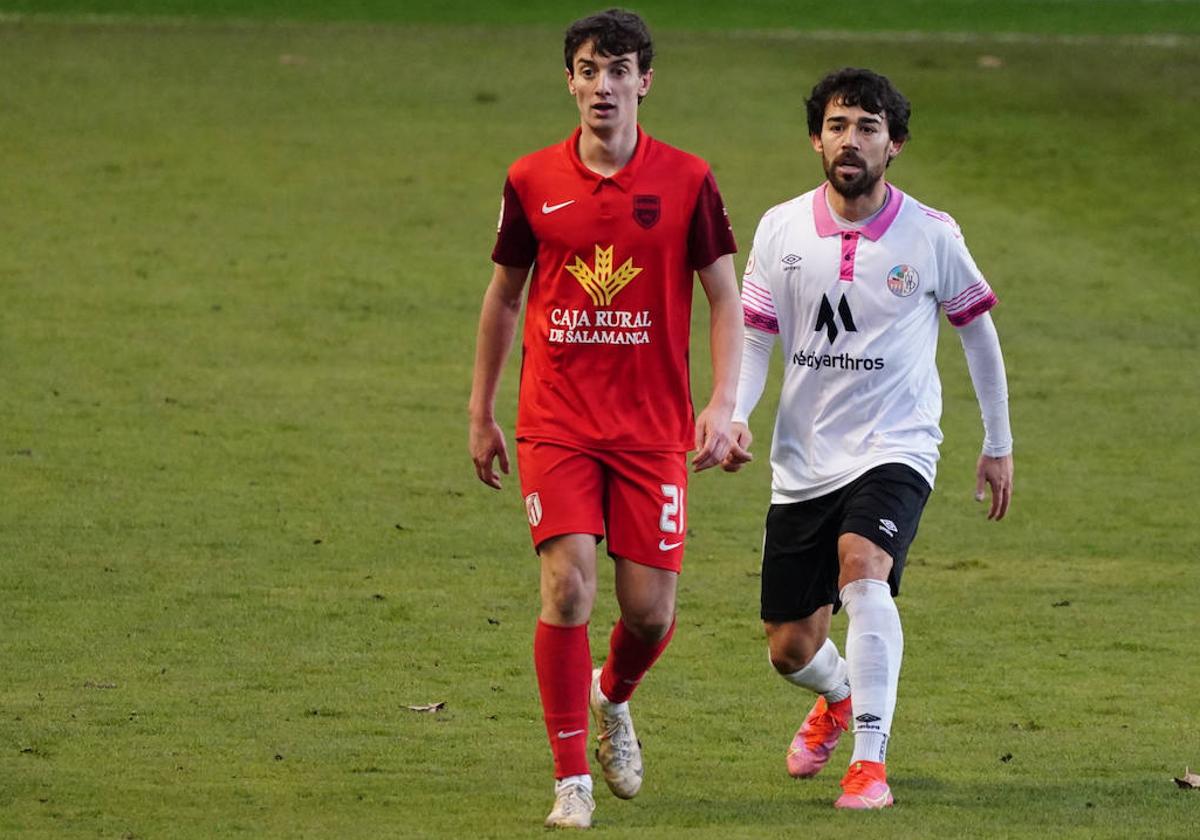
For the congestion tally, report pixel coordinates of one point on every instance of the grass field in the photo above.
(239, 531)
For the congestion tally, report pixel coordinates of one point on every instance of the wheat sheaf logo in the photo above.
(602, 283)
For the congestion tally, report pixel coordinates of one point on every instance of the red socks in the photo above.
(563, 661)
(629, 658)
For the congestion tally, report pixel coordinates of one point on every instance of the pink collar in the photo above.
(826, 226)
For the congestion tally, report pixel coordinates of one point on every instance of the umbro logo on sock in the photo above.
(867, 717)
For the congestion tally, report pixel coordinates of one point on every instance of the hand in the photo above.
(713, 439)
(486, 444)
(739, 451)
(996, 473)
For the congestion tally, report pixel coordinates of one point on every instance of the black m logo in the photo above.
(825, 320)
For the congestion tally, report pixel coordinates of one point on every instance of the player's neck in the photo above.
(606, 154)
(859, 208)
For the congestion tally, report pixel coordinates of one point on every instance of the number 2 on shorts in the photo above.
(671, 521)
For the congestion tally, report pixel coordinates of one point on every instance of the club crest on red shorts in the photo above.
(646, 210)
(533, 508)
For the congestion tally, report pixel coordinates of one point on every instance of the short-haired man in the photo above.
(850, 278)
(615, 224)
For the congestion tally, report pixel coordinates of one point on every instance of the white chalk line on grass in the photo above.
(1165, 40)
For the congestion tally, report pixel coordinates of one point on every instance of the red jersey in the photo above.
(608, 318)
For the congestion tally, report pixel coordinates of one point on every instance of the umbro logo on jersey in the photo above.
(791, 262)
(825, 319)
(888, 527)
(548, 208)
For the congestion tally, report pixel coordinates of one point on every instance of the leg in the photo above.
(646, 532)
(874, 647)
(804, 655)
(874, 642)
(799, 585)
(564, 491)
(882, 512)
(646, 596)
(560, 649)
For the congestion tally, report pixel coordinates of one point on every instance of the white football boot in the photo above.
(619, 752)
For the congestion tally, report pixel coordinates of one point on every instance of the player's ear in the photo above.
(644, 82)
(570, 81)
(818, 147)
(894, 147)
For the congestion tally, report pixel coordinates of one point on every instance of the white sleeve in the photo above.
(756, 361)
(981, 345)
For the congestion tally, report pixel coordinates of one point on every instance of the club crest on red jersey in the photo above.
(646, 210)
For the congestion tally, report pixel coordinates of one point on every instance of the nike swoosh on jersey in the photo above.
(565, 735)
(548, 208)
(663, 545)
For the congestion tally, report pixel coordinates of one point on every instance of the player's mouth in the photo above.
(603, 108)
(849, 166)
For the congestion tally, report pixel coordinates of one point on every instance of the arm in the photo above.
(986, 365)
(756, 362)
(497, 326)
(713, 438)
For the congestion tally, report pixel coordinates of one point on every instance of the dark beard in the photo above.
(859, 185)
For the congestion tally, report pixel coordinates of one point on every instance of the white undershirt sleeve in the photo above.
(756, 361)
(981, 345)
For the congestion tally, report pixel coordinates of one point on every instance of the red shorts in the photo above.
(635, 499)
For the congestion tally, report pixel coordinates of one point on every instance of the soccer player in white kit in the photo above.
(850, 277)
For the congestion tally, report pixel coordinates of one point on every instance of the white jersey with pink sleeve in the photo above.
(856, 312)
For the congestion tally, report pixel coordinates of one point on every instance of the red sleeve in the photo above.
(515, 243)
(711, 236)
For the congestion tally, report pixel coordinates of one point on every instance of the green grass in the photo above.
(239, 532)
(1025, 16)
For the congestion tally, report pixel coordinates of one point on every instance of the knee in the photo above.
(651, 626)
(567, 596)
(787, 661)
(863, 560)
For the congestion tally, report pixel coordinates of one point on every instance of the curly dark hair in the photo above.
(853, 86)
(616, 32)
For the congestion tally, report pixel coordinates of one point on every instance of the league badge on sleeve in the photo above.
(646, 210)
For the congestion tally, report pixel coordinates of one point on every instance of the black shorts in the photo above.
(800, 553)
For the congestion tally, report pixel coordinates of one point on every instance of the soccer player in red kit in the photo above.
(614, 224)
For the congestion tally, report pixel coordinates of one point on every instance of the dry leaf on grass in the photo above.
(429, 707)
(1190, 780)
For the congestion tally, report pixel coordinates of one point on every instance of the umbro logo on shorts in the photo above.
(888, 527)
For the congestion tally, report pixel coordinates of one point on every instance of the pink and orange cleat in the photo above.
(816, 738)
(865, 787)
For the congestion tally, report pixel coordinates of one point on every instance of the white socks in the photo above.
(824, 674)
(874, 648)
(586, 781)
